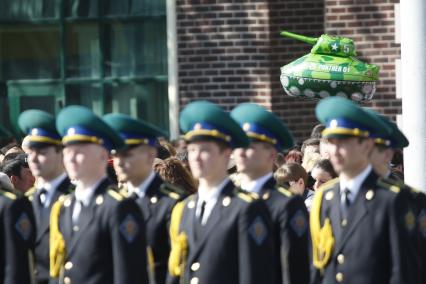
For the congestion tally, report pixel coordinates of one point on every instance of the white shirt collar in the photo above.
(355, 184)
(141, 189)
(212, 193)
(52, 184)
(210, 197)
(50, 187)
(256, 185)
(85, 194)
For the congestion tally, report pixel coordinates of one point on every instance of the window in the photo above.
(110, 56)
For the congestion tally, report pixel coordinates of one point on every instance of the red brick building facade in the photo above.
(231, 51)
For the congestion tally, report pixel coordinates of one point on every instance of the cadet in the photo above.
(289, 215)
(386, 144)
(17, 239)
(156, 199)
(44, 149)
(97, 236)
(381, 158)
(219, 235)
(360, 226)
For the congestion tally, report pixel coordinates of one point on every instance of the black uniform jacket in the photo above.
(374, 244)
(156, 206)
(235, 246)
(42, 218)
(109, 245)
(17, 234)
(418, 200)
(291, 233)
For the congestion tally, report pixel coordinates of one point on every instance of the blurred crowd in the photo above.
(302, 169)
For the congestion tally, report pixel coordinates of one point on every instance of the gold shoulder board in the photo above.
(284, 191)
(114, 194)
(8, 194)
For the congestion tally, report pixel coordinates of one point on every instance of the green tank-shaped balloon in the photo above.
(330, 69)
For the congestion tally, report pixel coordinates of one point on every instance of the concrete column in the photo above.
(413, 88)
(173, 87)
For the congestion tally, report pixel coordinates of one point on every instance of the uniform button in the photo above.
(194, 280)
(68, 265)
(340, 258)
(344, 222)
(195, 266)
(67, 280)
(75, 228)
(339, 277)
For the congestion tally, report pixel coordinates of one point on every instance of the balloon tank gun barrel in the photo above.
(310, 40)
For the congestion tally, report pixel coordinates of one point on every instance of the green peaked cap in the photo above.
(343, 118)
(202, 119)
(40, 128)
(262, 125)
(395, 139)
(78, 124)
(133, 131)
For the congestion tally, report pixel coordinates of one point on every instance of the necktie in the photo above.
(134, 196)
(41, 197)
(202, 209)
(346, 202)
(79, 212)
(42, 213)
(198, 222)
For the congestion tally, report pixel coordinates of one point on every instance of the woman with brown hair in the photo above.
(172, 171)
(294, 177)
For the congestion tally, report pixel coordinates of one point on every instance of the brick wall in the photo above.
(230, 51)
(371, 24)
(223, 51)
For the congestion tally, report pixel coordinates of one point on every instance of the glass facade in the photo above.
(108, 55)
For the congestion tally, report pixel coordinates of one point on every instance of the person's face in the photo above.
(255, 159)
(181, 145)
(45, 162)
(320, 176)
(25, 181)
(135, 164)
(349, 155)
(82, 161)
(380, 159)
(312, 149)
(207, 160)
(324, 149)
(297, 186)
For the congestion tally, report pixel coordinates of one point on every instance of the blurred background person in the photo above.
(397, 164)
(11, 148)
(155, 197)
(45, 159)
(279, 160)
(294, 156)
(311, 145)
(294, 177)
(322, 172)
(18, 171)
(317, 130)
(179, 144)
(316, 133)
(183, 157)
